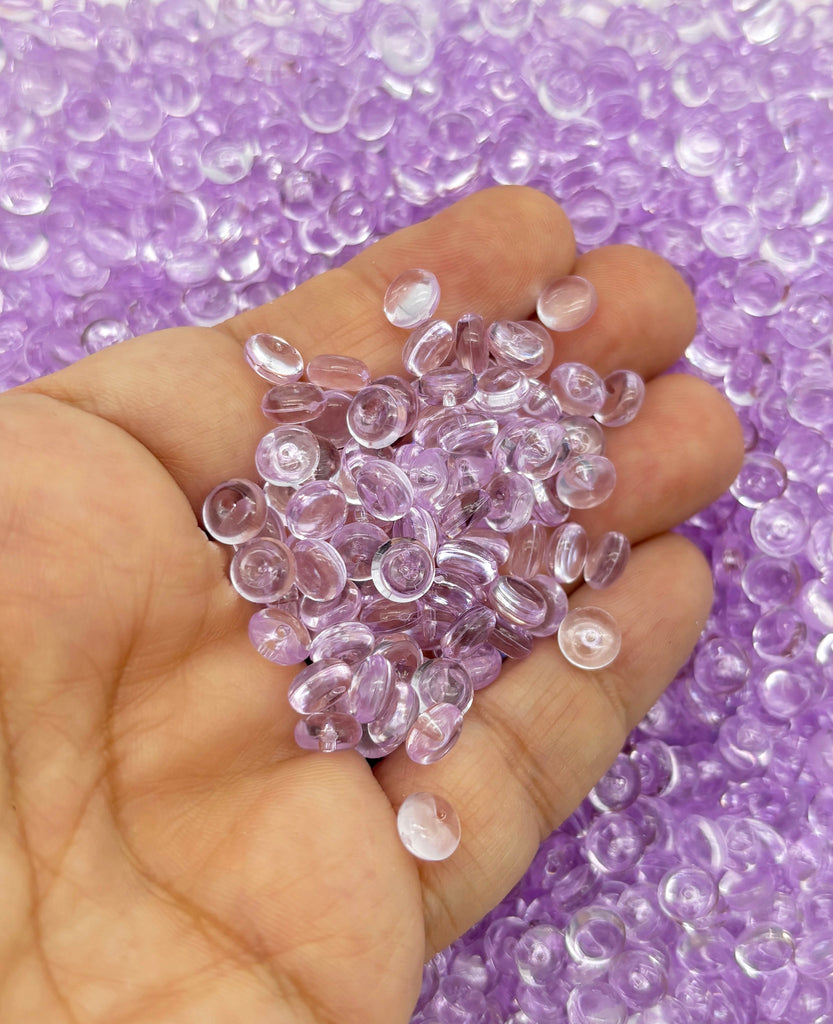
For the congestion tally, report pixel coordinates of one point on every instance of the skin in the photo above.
(167, 853)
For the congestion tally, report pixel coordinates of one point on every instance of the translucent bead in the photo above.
(618, 787)
(278, 636)
(589, 638)
(402, 652)
(428, 347)
(235, 511)
(411, 298)
(526, 550)
(606, 560)
(328, 731)
(780, 634)
(320, 686)
(594, 936)
(273, 358)
(531, 447)
(338, 373)
(262, 570)
(763, 948)
(624, 397)
(428, 826)
(483, 664)
(371, 689)
(614, 843)
(428, 471)
(586, 481)
(317, 509)
(567, 552)
(464, 510)
(469, 560)
(443, 681)
(555, 601)
(331, 422)
(418, 524)
(584, 435)
(293, 402)
(388, 730)
(434, 733)
(639, 977)
(319, 568)
(287, 455)
(447, 386)
(761, 478)
(384, 490)
(402, 569)
(512, 501)
(510, 640)
(779, 528)
(357, 543)
(567, 304)
(525, 346)
(687, 894)
(350, 642)
(539, 954)
(517, 601)
(579, 390)
(501, 390)
(344, 607)
(377, 416)
(471, 345)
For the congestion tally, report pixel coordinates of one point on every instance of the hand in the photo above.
(167, 852)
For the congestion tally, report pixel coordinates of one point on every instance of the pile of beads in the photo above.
(407, 536)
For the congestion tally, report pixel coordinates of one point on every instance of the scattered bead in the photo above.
(428, 826)
(567, 304)
(589, 637)
(412, 298)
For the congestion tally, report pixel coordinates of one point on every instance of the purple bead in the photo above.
(262, 570)
(411, 298)
(402, 652)
(567, 552)
(761, 478)
(526, 550)
(517, 601)
(384, 490)
(510, 640)
(594, 936)
(428, 347)
(371, 689)
(639, 977)
(328, 731)
(316, 510)
(434, 733)
(402, 569)
(471, 344)
(287, 455)
(469, 560)
(464, 510)
(235, 511)
(278, 636)
(589, 638)
(357, 543)
(377, 416)
(606, 560)
(483, 664)
(429, 472)
(555, 600)
(584, 435)
(447, 386)
(331, 422)
(687, 894)
(388, 730)
(293, 402)
(567, 304)
(350, 642)
(525, 346)
(540, 954)
(344, 607)
(320, 573)
(338, 373)
(624, 396)
(501, 389)
(578, 389)
(586, 481)
(320, 686)
(273, 358)
(443, 681)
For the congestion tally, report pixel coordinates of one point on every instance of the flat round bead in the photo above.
(293, 402)
(517, 601)
(428, 347)
(320, 686)
(328, 731)
(344, 607)
(279, 636)
(624, 396)
(511, 640)
(273, 358)
(471, 344)
(262, 570)
(464, 510)
(483, 664)
(320, 573)
(357, 543)
(235, 511)
(434, 733)
(287, 455)
(402, 652)
(567, 303)
(411, 298)
(390, 727)
(338, 373)
(555, 599)
(589, 637)
(579, 390)
(428, 826)
(469, 560)
(501, 389)
(443, 681)
(316, 510)
(584, 435)
(371, 689)
(606, 560)
(350, 642)
(467, 632)
(524, 346)
(384, 490)
(377, 416)
(418, 524)
(331, 422)
(586, 481)
(447, 386)
(402, 569)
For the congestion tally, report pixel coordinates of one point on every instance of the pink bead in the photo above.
(235, 511)
(589, 637)
(384, 490)
(501, 390)
(287, 455)
(388, 730)
(428, 347)
(467, 559)
(428, 826)
(606, 560)
(579, 390)
(402, 652)
(371, 689)
(471, 345)
(524, 346)
(320, 573)
(624, 396)
(526, 550)
(464, 510)
(357, 543)
(350, 642)
(517, 601)
(402, 569)
(338, 373)
(418, 524)
(293, 402)
(278, 636)
(443, 681)
(328, 731)
(467, 632)
(411, 298)
(320, 686)
(344, 607)
(586, 482)
(584, 435)
(511, 640)
(434, 733)
(567, 552)
(377, 416)
(483, 663)
(331, 422)
(316, 510)
(555, 599)
(262, 570)
(567, 303)
(447, 386)
(273, 358)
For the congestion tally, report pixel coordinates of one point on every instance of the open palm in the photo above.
(167, 853)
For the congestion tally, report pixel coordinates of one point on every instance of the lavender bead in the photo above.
(517, 601)
(402, 652)
(579, 390)
(350, 642)
(273, 358)
(235, 511)
(428, 347)
(408, 396)
(467, 631)
(483, 664)
(418, 524)
(464, 510)
(338, 373)
(524, 346)
(526, 550)
(567, 303)
(357, 543)
(447, 386)
(278, 636)
(434, 733)
(411, 298)
(584, 435)
(469, 560)
(384, 490)
(428, 826)
(371, 689)
(331, 422)
(287, 455)
(328, 731)
(586, 482)
(320, 686)
(402, 569)
(501, 389)
(429, 472)
(293, 402)
(389, 729)
(262, 570)
(606, 560)
(624, 397)
(471, 345)
(589, 638)
(344, 607)
(510, 640)
(377, 416)
(443, 681)
(320, 573)
(316, 510)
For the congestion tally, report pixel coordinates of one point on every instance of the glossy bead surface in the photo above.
(273, 358)
(434, 733)
(319, 687)
(411, 298)
(586, 482)
(293, 402)
(428, 347)
(287, 455)
(338, 373)
(327, 732)
(578, 389)
(316, 510)
(567, 552)
(606, 560)
(589, 637)
(402, 569)
(320, 573)
(567, 304)
(234, 511)
(377, 416)
(428, 826)
(262, 570)
(279, 637)
(384, 490)
(624, 397)
(443, 681)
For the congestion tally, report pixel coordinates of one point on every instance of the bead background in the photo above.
(175, 163)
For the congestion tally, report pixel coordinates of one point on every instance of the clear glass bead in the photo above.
(567, 304)
(377, 416)
(428, 347)
(412, 298)
(338, 373)
(273, 358)
(434, 733)
(606, 560)
(589, 637)
(586, 481)
(428, 826)
(262, 570)
(287, 455)
(402, 569)
(279, 636)
(235, 511)
(624, 397)
(328, 731)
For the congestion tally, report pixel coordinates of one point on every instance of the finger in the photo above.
(536, 741)
(188, 395)
(680, 453)
(645, 316)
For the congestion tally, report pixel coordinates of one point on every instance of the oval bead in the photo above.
(434, 733)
